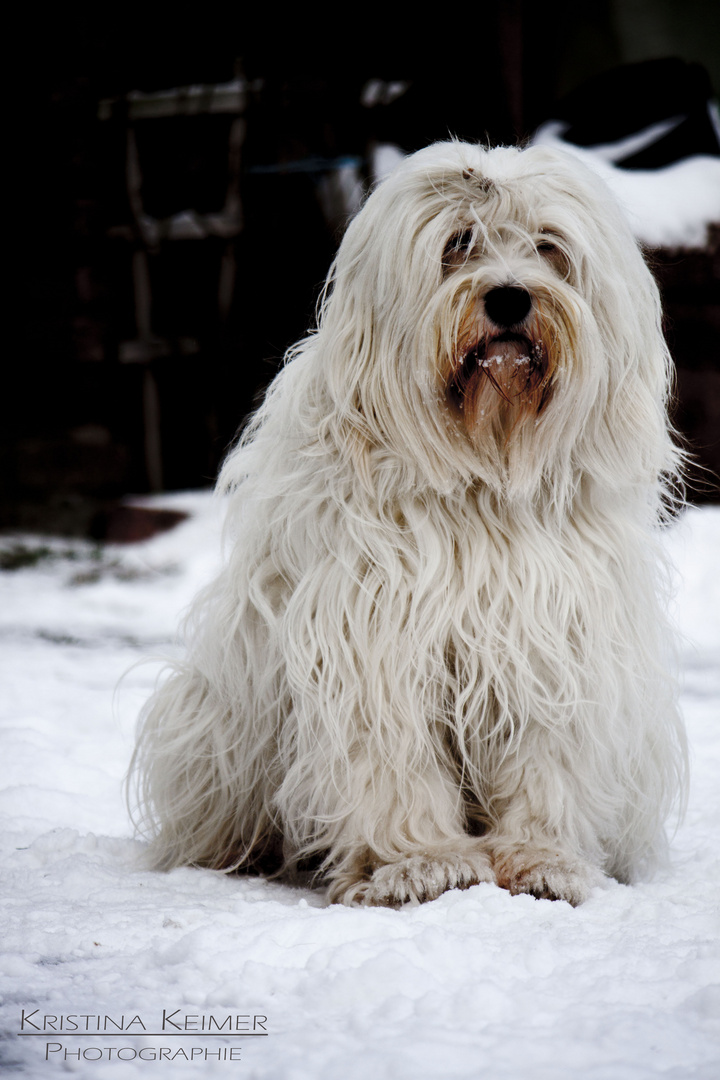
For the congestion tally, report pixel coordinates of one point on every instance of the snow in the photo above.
(477, 984)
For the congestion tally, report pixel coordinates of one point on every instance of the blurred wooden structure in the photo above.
(182, 210)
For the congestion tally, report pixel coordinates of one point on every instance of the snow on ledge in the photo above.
(671, 207)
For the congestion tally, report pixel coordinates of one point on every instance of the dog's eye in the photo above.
(462, 241)
(458, 245)
(551, 248)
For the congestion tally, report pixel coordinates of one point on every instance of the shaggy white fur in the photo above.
(436, 654)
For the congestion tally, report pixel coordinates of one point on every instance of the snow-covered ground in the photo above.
(478, 984)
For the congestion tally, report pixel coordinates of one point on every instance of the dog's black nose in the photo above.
(508, 304)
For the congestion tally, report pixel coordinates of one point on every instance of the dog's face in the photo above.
(508, 318)
(492, 307)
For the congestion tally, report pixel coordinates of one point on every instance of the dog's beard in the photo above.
(498, 380)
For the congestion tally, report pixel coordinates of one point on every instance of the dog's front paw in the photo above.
(547, 875)
(418, 878)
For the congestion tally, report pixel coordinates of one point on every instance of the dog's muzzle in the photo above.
(505, 352)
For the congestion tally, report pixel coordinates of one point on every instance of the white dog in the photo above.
(436, 655)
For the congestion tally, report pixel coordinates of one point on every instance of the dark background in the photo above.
(131, 373)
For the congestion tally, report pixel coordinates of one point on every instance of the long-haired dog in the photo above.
(435, 655)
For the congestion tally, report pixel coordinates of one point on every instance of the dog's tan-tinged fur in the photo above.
(436, 655)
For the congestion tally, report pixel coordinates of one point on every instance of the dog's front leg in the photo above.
(542, 843)
(391, 824)
(405, 843)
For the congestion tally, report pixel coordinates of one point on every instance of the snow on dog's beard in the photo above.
(482, 320)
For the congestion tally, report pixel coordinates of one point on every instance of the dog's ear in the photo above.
(373, 349)
(631, 412)
(622, 357)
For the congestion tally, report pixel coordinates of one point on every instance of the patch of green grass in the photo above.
(18, 556)
(93, 564)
